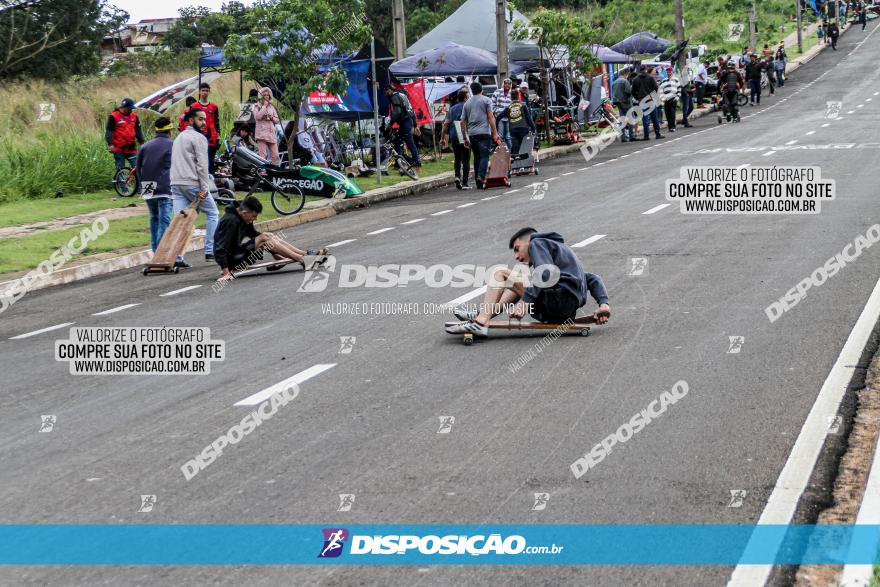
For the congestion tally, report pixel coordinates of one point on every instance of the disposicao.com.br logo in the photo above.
(452, 544)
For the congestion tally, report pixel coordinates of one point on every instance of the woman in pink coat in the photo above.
(266, 117)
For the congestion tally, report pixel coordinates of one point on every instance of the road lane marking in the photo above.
(114, 310)
(489, 198)
(413, 221)
(468, 296)
(177, 291)
(569, 173)
(768, 153)
(381, 230)
(441, 212)
(851, 112)
(583, 168)
(811, 132)
(868, 99)
(41, 331)
(655, 209)
(826, 124)
(860, 106)
(300, 377)
(340, 243)
(584, 243)
(511, 191)
(468, 205)
(790, 142)
(795, 475)
(552, 178)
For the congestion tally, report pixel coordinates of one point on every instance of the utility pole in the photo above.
(501, 38)
(800, 38)
(679, 33)
(753, 28)
(399, 24)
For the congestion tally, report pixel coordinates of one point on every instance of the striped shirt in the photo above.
(500, 100)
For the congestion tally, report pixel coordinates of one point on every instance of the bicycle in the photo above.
(564, 125)
(389, 152)
(125, 182)
(287, 199)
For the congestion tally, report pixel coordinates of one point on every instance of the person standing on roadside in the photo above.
(212, 129)
(501, 99)
(123, 133)
(266, 117)
(189, 177)
(781, 59)
(753, 79)
(645, 86)
(767, 67)
(833, 34)
(687, 102)
(670, 100)
(621, 97)
(700, 82)
(462, 154)
(478, 126)
(154, 177)
(863, 16)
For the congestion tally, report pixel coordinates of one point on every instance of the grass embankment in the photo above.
(68, 153)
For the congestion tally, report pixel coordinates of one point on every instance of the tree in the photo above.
(53, 39)
(198, 25)
(302, 33)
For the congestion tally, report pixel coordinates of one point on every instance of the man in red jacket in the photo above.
(122, 130)
(213, 126)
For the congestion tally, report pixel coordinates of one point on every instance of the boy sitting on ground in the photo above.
(231, 249)
(552, 304)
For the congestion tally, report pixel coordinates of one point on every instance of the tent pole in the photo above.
(375, 110)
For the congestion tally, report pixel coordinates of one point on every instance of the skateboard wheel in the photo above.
(468, 339)
(176, 270)
(585, 332)
(146, 271)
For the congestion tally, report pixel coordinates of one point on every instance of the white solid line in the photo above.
(768, 153)
(552, 178)
(790, 142)
(583, 168)
(381, 230)
(41, 331)
(584, 243)
(869, 513)
(811, 132)
(569, 173)
(113, 310)
(413, 221)
(177, 291)
(470, 295)
(655, 209)
(597, 164)
(490, 197)
(340, 243)
(468, 205)
(441, 212)
(300, 377)
(796, 473)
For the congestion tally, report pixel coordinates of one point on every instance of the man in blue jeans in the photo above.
(404, 116)
(478, 127)
(154, 177)
(189, 176)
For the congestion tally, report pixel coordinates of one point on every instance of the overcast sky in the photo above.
(141, 9)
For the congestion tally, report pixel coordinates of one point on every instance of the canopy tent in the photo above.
(435, 91)
(644, 43)
(528, 56)
(607, 55)
(472, 24)
(449, 59)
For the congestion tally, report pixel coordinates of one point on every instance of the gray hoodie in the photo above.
(549, 248)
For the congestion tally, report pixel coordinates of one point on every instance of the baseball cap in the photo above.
(128, 102)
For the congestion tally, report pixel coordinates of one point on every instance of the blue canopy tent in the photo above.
(608, 55)
(448, 60)
(644, 43)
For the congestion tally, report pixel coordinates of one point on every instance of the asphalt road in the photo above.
(368, 426)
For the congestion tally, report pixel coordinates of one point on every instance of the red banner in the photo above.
(322, 97)
(416, 93)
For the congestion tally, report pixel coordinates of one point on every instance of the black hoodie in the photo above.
(548, 248)
(231, 231)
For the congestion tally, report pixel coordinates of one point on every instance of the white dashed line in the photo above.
(552, 178)
(655, 209)
(583, 168)
(860, 106)
(340, 243)
(868, 99)
(468, 205)
(569, 173)
(41, 331)
(468, 296)
(177, 291)
(851, 112)
(584, 243)
(811, 133)
(114, 310)
(441, 212)
(300, 377)
(790, 142)
(826, 124)
(381, 230)
(489, 198)
(413, 221)
(510, 191)
(768, 153)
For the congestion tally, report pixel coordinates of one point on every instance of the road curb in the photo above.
(86, 269)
